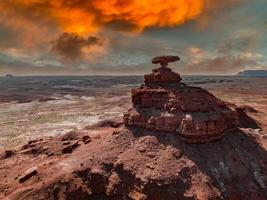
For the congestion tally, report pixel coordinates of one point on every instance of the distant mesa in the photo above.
(253, 73)
(9, 75)
(165, 104)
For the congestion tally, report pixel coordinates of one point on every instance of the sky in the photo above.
(119, 37)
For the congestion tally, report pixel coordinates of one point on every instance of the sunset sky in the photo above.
(88, 37)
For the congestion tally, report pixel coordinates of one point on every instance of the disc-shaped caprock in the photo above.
(164, 60)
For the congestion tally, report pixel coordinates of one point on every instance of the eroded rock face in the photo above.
(120, 164)
(162, 76)
(165, 104)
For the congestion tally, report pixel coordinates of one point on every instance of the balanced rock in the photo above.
(165, 104)
(163, 75)
(164, 60)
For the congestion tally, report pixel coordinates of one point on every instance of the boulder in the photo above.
(164, 60)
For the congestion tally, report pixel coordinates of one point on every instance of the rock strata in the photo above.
(162, 76)
(165, 104)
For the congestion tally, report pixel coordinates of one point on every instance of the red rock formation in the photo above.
(120, 163)
(165, 104)
(162, 76)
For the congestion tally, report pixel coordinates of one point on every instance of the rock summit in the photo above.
(165, 104)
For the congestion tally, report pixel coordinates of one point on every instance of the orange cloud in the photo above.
(142, 14)
(34, 23)
(91, 15)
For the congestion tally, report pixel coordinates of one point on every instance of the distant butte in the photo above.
(167, 105)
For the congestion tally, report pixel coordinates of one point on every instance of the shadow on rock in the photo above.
(236, 164)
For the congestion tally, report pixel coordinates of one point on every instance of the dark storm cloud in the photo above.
(72, 46)
(8, 37)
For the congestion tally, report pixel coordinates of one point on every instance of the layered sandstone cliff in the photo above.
(165, 104)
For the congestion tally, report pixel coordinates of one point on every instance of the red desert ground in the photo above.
(133, 100)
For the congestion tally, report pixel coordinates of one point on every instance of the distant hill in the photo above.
(254, 73)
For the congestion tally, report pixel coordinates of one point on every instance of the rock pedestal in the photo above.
(162, 76)
(165, 104)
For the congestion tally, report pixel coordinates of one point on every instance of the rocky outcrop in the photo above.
(119, 163)
(165, 104)
(162, 76)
